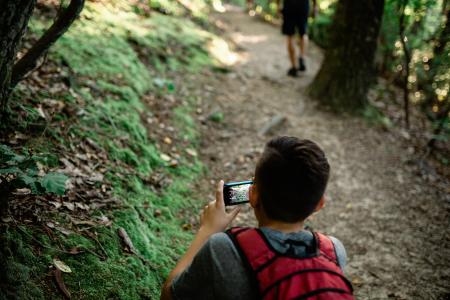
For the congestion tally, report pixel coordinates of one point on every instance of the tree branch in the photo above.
(407, 56)
(59, 27)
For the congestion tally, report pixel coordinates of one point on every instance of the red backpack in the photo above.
(284, 276)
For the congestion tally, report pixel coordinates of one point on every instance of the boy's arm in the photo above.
(213, 219)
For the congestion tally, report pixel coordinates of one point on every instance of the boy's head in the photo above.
(290, 178)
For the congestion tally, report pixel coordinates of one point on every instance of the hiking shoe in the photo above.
(292, 72)
(301, 64)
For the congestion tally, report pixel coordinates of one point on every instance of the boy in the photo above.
(278, 260)
(295, 20)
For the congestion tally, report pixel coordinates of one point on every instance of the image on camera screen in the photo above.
(239, 193)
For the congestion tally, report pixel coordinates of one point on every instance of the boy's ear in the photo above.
(253, 195)
(321, 204)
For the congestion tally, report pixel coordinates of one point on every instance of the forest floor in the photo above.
(392, 217)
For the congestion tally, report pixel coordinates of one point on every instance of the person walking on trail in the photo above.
(295, 22)
(277, 260)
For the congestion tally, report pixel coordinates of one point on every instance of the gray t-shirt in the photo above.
(217, 271)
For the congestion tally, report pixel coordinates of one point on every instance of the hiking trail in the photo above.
(393, 222)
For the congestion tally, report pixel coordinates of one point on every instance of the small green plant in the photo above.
(21, 171)
(217, 117)
(375, 117)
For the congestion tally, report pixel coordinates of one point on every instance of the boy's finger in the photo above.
(232, 214)
(219, 194)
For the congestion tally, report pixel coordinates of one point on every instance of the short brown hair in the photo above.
(291, 177)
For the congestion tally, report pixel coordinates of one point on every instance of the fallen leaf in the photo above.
(82, 205)
(6, 219)
(50, 225)
(70, 206)
(23, 191)
(126, 240)
(105, 221)
(83, 222)
(357, 281)
(64, 230)
(167, 140)
(41, 112)
(61, 266)
(60, 283)
(97, 177)
(56, 204)
(75, 250)
(165, 157)
(191, 152)
(157, 213)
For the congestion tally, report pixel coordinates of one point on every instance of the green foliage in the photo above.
(21, 171)
(428, 42)
(376, 117)
(319, 27)
(54, 183)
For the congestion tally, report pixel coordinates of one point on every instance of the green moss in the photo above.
(115, 54)
(184, 121)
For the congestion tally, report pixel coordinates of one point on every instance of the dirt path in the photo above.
(394, 224)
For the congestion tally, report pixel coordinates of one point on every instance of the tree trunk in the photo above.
(14, 17)
(407, 60)
(348, 68)
(62, 23)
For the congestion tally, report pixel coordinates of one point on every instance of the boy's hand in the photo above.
(214, 218)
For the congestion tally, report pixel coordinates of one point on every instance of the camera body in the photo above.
(235, 193)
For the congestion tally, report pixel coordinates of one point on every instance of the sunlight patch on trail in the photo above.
(221, 51)
(249, 39)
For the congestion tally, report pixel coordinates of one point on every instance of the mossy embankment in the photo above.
(113, 60)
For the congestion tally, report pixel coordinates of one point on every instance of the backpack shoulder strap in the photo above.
(252, 244)
(251, 247)
(326, 247)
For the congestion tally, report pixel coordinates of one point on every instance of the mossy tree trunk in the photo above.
(14, 17)
(348, 68)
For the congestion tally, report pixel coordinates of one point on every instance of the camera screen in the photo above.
(238, 193)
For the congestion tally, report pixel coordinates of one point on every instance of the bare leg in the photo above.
(303, 43)
(291, 51)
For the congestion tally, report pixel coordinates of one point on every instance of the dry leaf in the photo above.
(105, 221)
(75, 250)
(64, 230)
(41, 112)
(6, 219)
(69, 205)
(61, 266)
(167, 140)
(23, 191)
(82, 205)
(83, 222)
(126, 240)
(56, 204)
(165, 157)
(191, 152)
(50, 225)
